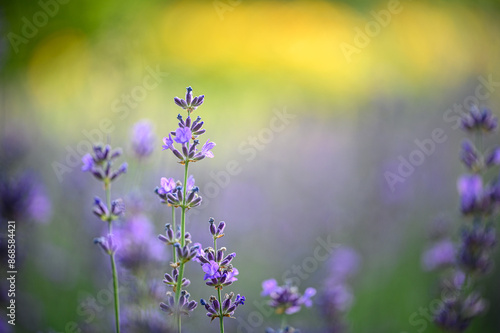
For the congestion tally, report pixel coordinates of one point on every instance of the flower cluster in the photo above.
(286, 299)
(171, 193)
(99, 163)
(190, 104)
(219, 273)
(107, 244)
(217, 266)
(478, 201)
(187, 131)
(183, 307)
(226, 309)
(479, 120)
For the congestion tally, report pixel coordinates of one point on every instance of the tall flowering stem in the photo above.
(183, 195)
(479, 201)
(99, 164)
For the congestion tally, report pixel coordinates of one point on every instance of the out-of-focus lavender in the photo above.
(143, 138)
(438, 255)
(134, 240)
(337, 297)
(24, 197)
(473, 257)
(286, 300)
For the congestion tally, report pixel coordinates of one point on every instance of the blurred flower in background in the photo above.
(143, 138)
(337, 297)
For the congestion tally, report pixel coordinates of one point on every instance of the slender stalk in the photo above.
(175, 232)
(283, 321)
(115, 291)
(221, 318)
(183, 242)
(107, 188)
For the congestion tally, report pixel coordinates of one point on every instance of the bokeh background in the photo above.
(352, 119)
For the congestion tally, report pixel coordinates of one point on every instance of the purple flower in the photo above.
(306, 298)
(137, 246)
(456, 314)
(182, 135)
(99, 164)
(88, 162)
(268, 287)
(168, 185)
(184, 307)
(168, 142)
(470, 189)
(441, 254)
(469, 155)
(211, 270)
(171, 280)
(206, 149)
(482, 120)
(493, 158)
(286, 298)
(186, 253)
(24, 197)
(343, 264)
(143, 138)
(475, 252)
(190, 183)
(39, 206)
(228, 305)
(107, 244)
(190, 104)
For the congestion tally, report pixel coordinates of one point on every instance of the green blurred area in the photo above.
(250, 59)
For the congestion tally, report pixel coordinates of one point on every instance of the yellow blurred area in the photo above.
(257, 46)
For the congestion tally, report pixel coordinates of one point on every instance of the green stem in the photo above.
(107, 188)
(283, 321)
(183, 242)
(115, 290)
(175, 232)
(221, 318)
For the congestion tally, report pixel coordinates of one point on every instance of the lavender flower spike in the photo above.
(190, 104)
